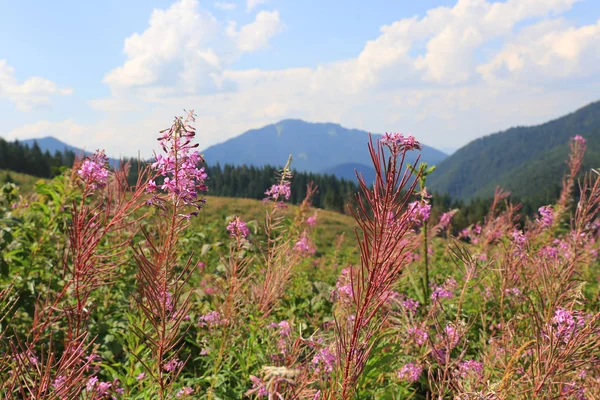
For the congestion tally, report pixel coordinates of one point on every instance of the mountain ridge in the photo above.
(513, 157)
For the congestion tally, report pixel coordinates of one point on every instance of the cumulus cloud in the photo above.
(67, 130)
(223, 5)
(256, 35)
(34, 92)
(448, 76)
(547, 50)
(252, 4)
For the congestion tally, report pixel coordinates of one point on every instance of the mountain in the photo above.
(52, 145)
(347, 171)
(528, 161)
(315, 147)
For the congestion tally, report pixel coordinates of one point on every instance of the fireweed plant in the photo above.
(112, 291)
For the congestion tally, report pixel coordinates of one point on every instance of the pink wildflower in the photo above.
(467, 368)
(444, 291)
(211, 319)
(276, 192)
(546, 216)
(173, 365)
(179, 167)
(410, 372)
(311, 221)
(94, 171)
(304, 245)
(238, 228)
(324, 361)
(186, 391)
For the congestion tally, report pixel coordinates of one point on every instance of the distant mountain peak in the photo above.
(315, 147)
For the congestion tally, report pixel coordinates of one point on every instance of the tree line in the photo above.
(251, 182)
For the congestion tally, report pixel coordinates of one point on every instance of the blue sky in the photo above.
(111, 74)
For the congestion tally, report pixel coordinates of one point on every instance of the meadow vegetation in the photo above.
(153, 290)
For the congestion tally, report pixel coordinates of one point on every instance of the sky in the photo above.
(111, 74)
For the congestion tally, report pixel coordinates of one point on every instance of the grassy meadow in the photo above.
(155, 291)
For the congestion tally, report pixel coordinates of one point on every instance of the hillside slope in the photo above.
(528, 161)
(315, 147)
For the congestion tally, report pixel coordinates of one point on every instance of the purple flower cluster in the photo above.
(211, 319)
(451, 337)
(445, 219)
(311, 221)
(173, 365)
(418, 335)
(304, 245)
(470, 368)
(410, 305)
(397, 142)
(579, 139)
(445, 291)
(101, 388)
(186, 391)
(546, 216)
(182, 179)
(277, 192)
(419, 212)
(519, 238)
(94, 171)
(258, 387)
(410, 372)
(343, 285)
(565, 324)
(324, 361)
(238, 228)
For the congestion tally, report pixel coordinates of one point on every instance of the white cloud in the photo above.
(68, 131)
(34, 92)
(256, 35)
(223, 5)
(184, 51)
(547, 50)
(450, 76)
(252, 4)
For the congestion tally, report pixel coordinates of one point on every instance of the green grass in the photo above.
(25, 182)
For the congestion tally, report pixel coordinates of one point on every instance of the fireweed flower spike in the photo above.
(94, 171)
(182, 179)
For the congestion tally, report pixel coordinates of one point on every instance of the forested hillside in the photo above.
(528, 161)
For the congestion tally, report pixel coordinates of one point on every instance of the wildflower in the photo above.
(59, 381)
(311, 221)
(418, 335)
(258, 387)
(565, 324)
(324, 361)
(179, 167)
(547, 217)
(397, 142)
(445, 219)
(173, 365)
(579, 139)
(410, 305)
(104, 387)
(451, 337)
(419, 212)
(94, 171)
(519, 238)
(278, 191)
(140, 376)
(211, 319)
(444, 291)
(410, 372)
(284, 328)
(238, 228)
(470, 367)
(344, 285)
(304, 245)
(91, 383)
(186, 391)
